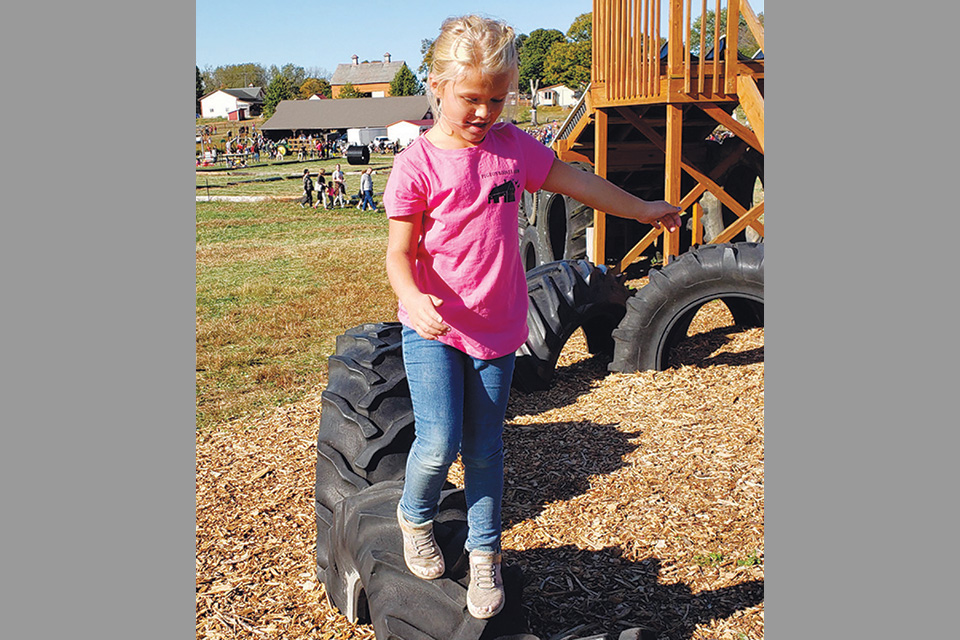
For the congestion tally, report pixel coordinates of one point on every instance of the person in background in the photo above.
(321, 190)
(366, 190)
(307, 199)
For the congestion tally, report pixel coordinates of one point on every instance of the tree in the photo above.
(319, 86)
(405, 83)
(534, 51)
(568, 63)
(233, 76)
(746, 43)
(199, 88)
(426, 50)
(581, 29)
(349, 91)
(294, 74)
(280, 88)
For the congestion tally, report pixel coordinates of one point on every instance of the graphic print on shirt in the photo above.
(507, 190)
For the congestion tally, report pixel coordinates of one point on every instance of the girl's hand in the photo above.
(660, 212)
(424, 317)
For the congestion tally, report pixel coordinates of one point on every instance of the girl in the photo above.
(336, 195)
(321, 190)
(452, 260)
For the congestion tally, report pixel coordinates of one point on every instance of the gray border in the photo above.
(860, 138)
(98, 453)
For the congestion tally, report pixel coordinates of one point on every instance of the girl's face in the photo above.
(470, 105)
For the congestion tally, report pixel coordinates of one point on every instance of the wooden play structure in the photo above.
(659, 89)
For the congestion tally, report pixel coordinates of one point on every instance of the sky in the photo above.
(324, 34)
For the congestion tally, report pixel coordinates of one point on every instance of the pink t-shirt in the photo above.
(469, 253)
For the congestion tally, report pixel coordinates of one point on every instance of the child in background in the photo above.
(452, 202)
(336, 194)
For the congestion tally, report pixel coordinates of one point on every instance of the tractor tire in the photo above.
(368, 581)
(659, 315)
(532, 253)
(366, 421)
(563, 296)
(562, 222)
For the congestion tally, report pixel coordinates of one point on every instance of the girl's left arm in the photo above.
(596, 192)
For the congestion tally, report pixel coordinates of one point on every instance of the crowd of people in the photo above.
(545, 133)
(332, 192)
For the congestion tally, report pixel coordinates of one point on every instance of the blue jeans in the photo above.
(459, 404)
(368, 199)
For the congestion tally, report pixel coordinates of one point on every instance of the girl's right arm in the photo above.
(402, 240)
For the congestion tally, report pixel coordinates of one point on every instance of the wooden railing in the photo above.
(645, 49)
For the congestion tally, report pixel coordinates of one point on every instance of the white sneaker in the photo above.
(485, 597)
(420, 549)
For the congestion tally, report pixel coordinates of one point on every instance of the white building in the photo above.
(406, 131)
(556, 95)
(242, 102)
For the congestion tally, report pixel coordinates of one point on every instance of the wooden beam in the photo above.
(752, 102)
(747, 218)
(730, 54)
(730, 122)
(697, 222)
(600, 168)
(671, 243)
(756, 29)
(714, 188)
(639, 248)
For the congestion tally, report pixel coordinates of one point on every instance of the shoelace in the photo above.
(485, 576)
(423, 542)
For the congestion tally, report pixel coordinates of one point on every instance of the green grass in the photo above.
(275, 285)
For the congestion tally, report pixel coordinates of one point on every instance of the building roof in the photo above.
(346, 113)
(365, 73)
(420, 123)
(247, 94)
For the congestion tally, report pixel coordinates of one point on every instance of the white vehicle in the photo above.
(381, 140)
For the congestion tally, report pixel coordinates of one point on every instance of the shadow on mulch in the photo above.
(698, 350)
(599, 592)
(561, 467)
(568, 384)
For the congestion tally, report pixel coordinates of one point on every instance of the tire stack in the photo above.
(365, 433)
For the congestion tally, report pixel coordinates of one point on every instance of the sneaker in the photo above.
(485, 597)
(420, 549)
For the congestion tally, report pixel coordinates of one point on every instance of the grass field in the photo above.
(275, 285)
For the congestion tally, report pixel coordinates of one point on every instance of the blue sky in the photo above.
(324, 34)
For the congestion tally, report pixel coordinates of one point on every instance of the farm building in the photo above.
(242, 103)
(371, 79)
(556, 95)
(406, 131)
(294, 117)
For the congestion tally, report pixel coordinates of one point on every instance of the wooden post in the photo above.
(672, 194)
(697, 224)
(600, 168)
(730, 54)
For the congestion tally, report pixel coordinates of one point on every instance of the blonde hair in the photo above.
(474, 43)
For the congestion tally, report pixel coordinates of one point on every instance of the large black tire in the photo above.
(659, 315)
(562, 222)
(368, 580)
(366, 421)
(532, 253)
(563, 296)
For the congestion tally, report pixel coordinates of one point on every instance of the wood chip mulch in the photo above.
(631, 500)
